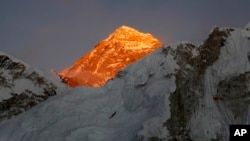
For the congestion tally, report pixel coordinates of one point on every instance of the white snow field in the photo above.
(83, 113)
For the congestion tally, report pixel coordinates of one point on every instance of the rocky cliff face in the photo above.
(190, 80)
(124, 46)
(22, 87)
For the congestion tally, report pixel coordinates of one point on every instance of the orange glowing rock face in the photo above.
(124, 46)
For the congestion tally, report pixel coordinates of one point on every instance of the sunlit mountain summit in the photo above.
(121, 48)
(179, 92)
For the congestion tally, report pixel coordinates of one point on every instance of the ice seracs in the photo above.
(124, 46)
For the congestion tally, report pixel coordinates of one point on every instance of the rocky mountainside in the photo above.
(124, 46)
(180, 92)
(22, 87)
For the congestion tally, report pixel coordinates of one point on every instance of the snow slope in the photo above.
(22, 86)
(179, 92)
(83, 113)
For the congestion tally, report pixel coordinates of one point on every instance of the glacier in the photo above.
(179, 92)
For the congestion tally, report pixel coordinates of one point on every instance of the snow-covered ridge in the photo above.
(179, 92)
(22, 86)
(14, 59)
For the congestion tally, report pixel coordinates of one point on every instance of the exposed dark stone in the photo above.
(184, 98)
(121, 74)
(234, 94)
(35, 77)
(22, 102)
(165, 50)
(10, 71)
(248, 56)
(210, 50)
(190, 81)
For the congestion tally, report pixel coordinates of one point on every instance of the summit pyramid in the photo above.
(124, 46)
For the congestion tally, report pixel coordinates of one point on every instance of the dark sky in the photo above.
(52, 34)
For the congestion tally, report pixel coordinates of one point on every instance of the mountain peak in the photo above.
(126, 29)
(131, 39)
(122, 47)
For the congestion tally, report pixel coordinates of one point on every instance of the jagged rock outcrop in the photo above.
(22, 87)
(124, 46)
(190, 80)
